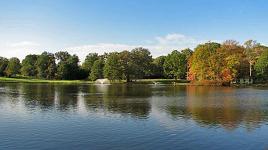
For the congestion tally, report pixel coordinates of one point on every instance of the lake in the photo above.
(156, 117)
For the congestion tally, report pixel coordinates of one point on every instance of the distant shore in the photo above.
(139, 81)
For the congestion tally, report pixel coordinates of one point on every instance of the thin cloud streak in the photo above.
(160, 45)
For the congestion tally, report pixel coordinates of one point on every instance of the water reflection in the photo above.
(227, 108)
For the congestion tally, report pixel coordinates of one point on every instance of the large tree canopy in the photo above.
(13, 67)
(67, 68)
(29, 67)
(46, 66)
(112, 67)
(174, 65)
(97, 70)
(89, 61)
(202, 63)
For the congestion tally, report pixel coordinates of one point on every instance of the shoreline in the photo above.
(140, 81)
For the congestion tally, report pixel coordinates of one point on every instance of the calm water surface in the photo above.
(45, 116)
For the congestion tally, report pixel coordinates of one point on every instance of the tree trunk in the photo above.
(250, 70)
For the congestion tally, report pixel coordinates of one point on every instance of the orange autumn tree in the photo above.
(202, 62)
(216, 63)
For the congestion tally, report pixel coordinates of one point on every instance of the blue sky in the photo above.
(83, 26)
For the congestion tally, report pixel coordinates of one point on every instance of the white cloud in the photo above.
(160, 45)
(19, 49)
(24, 44)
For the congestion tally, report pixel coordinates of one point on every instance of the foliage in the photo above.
(67, 68)
(46, 66)
(97, 70)
(157, 67)
(13, 67)
(29, 67)
(112, 67)
(202, 63)
(3, 65)
(209, 63)
(127, 65)
(262, 65)
(89, 61)
(140, 62)
(174, 65)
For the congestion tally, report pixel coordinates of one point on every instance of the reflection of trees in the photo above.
(66, 97)
(126, 100)
(41, 95)
(11, 90)
(123, 99)
(213, 106)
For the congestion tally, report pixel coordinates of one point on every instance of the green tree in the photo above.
(261, 65)
(62, 56)
(67, 68)
(3, 65)
(112, 67)
(158, 67)
(127, 65)
(174, 65)
(46, 66)
(141, 60)
(97, 70)
(89, 61)
(187, 52)
(252, 50)
(29, 67)
(13, 67)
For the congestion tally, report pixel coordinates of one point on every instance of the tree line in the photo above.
(208, 62)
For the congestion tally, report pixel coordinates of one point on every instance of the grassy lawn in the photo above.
(16, 80)
(140, 81)
(161, 81)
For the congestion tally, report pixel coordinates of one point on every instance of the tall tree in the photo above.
(252, 50)
(89, 61)
(127, 65)
(97, 70)
(202, 62)
(141, 62)
(158, 67)
(174, 65)
(231, 56)
(261, 65)
(188, 53)
(46, 66)
(67, 68)
(29, 67)
(112, 67)
(13, 67)
(3, 65)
